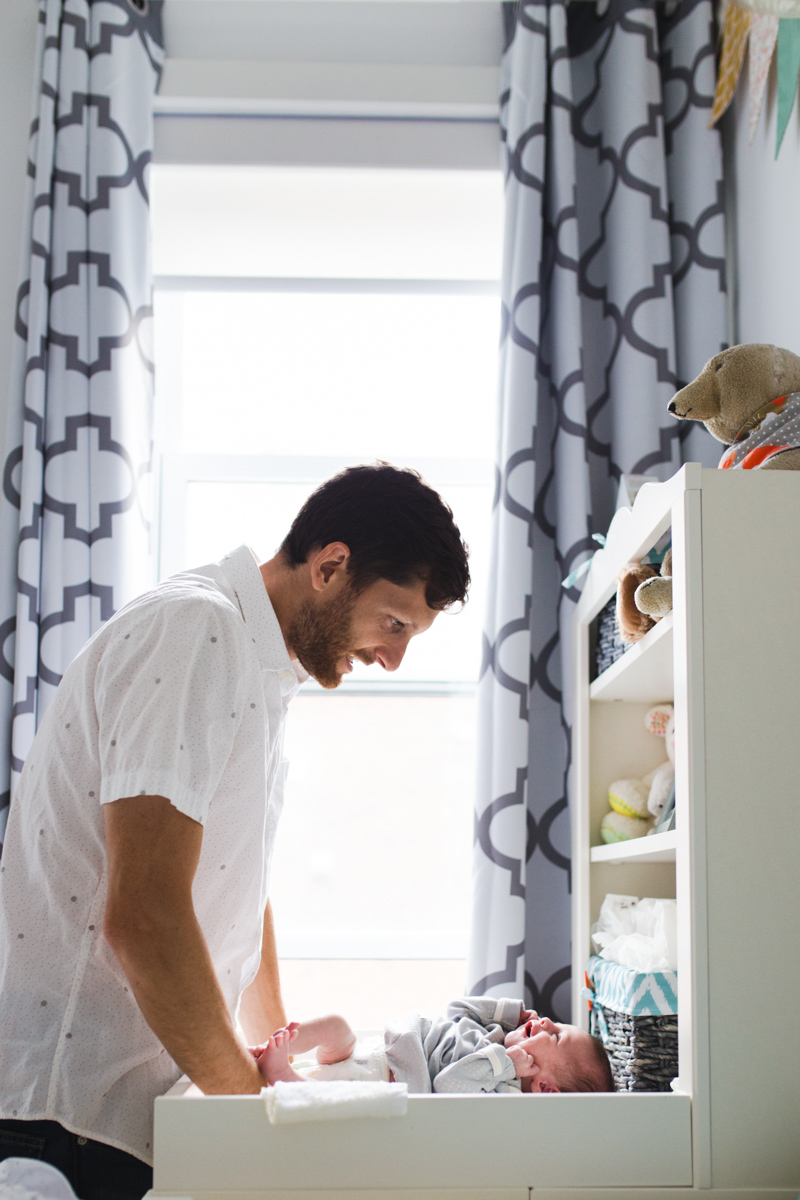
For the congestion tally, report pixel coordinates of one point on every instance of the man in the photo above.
(134, 923)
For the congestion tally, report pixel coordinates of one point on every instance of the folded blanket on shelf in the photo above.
(332, 1100)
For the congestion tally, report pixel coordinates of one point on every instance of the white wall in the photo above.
(434, 32)
(17, 46)
(764, 223)
(331, 82)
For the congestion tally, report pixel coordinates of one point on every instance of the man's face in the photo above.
(553, 1048)
(375, 626)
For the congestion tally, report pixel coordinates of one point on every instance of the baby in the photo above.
(481, 1045)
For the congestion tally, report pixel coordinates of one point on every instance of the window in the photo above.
(307, 319)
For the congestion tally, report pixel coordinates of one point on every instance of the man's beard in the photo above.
(322, 634)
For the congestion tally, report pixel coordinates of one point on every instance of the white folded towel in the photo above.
(332, 1100)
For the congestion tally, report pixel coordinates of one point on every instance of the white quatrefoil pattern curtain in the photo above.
(613, 298)
(75, 523)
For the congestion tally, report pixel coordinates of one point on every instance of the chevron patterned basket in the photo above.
(636, 1016)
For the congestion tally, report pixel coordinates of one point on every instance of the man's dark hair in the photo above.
(594, 1075)
(395, 525)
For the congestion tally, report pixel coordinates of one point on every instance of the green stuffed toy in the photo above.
(636, 804)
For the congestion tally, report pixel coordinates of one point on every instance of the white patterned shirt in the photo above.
(182, 694)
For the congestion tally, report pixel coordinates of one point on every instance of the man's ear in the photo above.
(329, 564)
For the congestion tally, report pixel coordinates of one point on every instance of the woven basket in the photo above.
(610, 645)
(635, 1014)
(643, 1051)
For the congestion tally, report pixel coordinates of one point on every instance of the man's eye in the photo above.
(396, 624)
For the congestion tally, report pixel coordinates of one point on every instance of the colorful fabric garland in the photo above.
(763, 37)
(765, 32)
(788, 70)
(735, 28)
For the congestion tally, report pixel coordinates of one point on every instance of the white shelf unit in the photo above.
(655, 848)
(644, 672)
(729, 659)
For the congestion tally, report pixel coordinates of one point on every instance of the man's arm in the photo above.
(261, 1011)
(151, 926)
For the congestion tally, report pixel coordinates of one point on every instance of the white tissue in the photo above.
(333, 1100)
(640, 934)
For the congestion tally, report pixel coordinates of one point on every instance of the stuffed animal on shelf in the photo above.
(654, 596)
(631, 623)
(749, 398)
(635, 802)
(628, 816)
(661, 721)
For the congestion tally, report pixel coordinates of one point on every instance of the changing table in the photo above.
(728, 656)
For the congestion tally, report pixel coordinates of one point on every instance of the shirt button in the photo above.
(81, 1141)
(288, 676)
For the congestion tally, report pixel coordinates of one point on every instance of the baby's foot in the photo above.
(273, 1059)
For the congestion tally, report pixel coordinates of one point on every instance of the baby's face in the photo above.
(553, 1049)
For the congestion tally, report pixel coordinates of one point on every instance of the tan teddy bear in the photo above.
(654, 596)
(749, 398)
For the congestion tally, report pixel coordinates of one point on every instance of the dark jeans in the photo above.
(95, 1171)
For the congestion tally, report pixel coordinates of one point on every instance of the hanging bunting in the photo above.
(735, 28)
(763, 36)
(772, 30)
(788, 70)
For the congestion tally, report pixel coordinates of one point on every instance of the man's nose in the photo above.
(392, 656)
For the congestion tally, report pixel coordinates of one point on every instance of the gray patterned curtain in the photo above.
(74, 524)
(613, 298)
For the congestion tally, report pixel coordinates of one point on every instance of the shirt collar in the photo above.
(241, 570)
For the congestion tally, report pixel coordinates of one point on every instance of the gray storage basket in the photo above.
(635, 1013)
(643, 1051)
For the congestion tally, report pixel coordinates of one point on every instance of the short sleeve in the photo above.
(168, 694)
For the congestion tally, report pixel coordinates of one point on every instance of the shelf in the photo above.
(657, 848)
(642, 673)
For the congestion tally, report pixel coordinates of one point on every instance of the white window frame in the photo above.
(176, 470)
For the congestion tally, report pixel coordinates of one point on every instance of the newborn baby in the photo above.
(481, 1045)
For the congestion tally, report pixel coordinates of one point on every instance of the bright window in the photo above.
(306, 320)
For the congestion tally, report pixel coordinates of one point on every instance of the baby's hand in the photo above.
(523, 1062)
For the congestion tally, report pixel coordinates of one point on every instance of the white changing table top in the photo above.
(225, 1144)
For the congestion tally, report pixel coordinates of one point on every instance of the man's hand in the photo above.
(151, 926)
